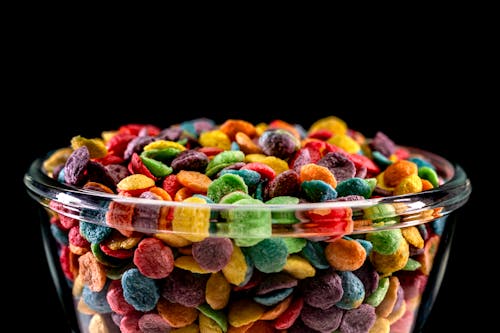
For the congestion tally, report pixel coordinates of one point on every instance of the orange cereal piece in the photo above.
(186, 250)
(398, 170)
(232, 126)
(217, 291)
(241, 329)
(426, 185)
(261, 326)
(277, 310)
(193, 328)
(345, 254)
(427, 257)
(246, 144)
(195, 181)
(161, 193)
(413, 237)
(313, 171)
(82, 307)
(175, 314)
(92, 272)
(244, 311)
(384, 309)
(182, 194)
(382, 325)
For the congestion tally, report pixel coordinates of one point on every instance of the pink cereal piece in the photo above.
(363, 161)
(135, 129)
(120, 216)
(65, 261)
(321, 134)
(130, 323)
(92, 272)
(264, 170)
(290, 315)
(153, 323)
(76, 239)
(115, 298)
(119, 253)
(153, 258)
(67, 222)
(171, 185)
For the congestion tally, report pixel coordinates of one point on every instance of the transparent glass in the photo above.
(317, 224)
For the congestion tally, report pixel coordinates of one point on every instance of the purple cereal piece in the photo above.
(117, 318)
(234, 166)
(213, 254)
(383, 144)
(153, 323)
(76, 165)
(279, 143)
(301, 158)
(414, 251)
(172, 133)
(358, 320)
(323, 320)
(96, 172)
(323, 290)
(361, 172)
(286, 183)
(339, 164)
(203, 124)
(274, 282)
(136, 145)
(185, 288)
(191, 160)
(368, 276)
(400, 296)
(146, 216)
(117, 172)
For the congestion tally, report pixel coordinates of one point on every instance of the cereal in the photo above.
(398, 171)
(285, 184)
(225, 184)
(217, 291)
(243, 312)
(339, 164)
(76, 165)
(299, 267)
(279, 143)
(153, 259)
(290, 315)
(184, 287)
(116, 300)
(354, 186)
(92, 272)
(318, 191)
(345, 255)
(385, 241)
(139, 291)
(277, 310)
(358, 320)
(323, 320)
(273, 298)
(175, 314)
(153, 323)
(213, 254)
(192, 222)
(324, 291)
(269, 255)
(353, 291)
(218, 317)
(96, 300)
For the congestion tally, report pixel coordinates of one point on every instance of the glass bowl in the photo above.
(372, 265)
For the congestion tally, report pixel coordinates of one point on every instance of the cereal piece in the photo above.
(218, 317)
(386, 264)
(192, 328)
(274, 297)
(277, 310)
(231, 198)
(383, 144)
(185, 288)
(354, 186)
(379, 294)
(60, 235)
(358, 320)
(92, 272)
(312, 172)
(269, 255)
(345, 142)
(136, 146)
(368, 276)
(278, 142)
(286, 183)
(213, 254)
(98, 324)
(427, 257)
(153, 323)
(175, 314)
(244, 311)
(294, 244)
(232, 126)
(410, 184)
(318, 191)
(381, 325)
(354, 291)
(237, 268)
(76, 165)
(249, 226)
(208, 325)
(116, 300)
(76, 239)
(163, 144)
(385, 241)
(217, 291)
(247, 145)
(139, 291)
(413, 237)
(225, 184)
(323, 320)
(290, 315)
(172, 240)
(188, 263)
(314, 252)
(215, 138)
(195, 181)
(345, 255)
(324, 290)
(275, 281)
(57, 158)
(339, 165)
(192, 221)
(399, 170)
(384, 309)
(171, 185)
(250, 177)
(298, 267)
(157, 168)
(95, 146)
(190, 160)
(96, 300)
(119, 216)
(399, 309)
(429, 173)
(153, 258)
(182, 194)
(331, 123)
(137, 182)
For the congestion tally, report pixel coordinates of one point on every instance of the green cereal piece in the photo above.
(222, 160)
(157, 168)
(216, 315)
(378, 295)
(412, 265)
(380, 213)
(226, 184)
(372, 182)
(269, 255)
(385, 241)
(294, 244)
(286, 216)
(115, 273)
(430, 174)
(165, 155)
(249, 226)
(232, 197)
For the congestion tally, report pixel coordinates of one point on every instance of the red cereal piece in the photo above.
(287, 318)
(153, 258)
(67, 222)
(118, 144)
(171, 185)
(116, 300)
(109, 159)
(402, 153)
(334, 222)
(119, 253)
(361, 160)
(264, 170)
(65, 260)
(120, 216)
(321, 134)
(210, 151)
(137, 166)
(135, 129)
(130, 323)
(76, 239)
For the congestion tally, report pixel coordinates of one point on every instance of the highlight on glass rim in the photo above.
(239, 227)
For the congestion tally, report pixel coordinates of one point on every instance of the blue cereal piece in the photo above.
(438, 225)
(354, 186)
(274, 297)
(235, 145)
(380, 160)
(367, 245)
(354, 291)
(318, 191)
(269, 255)
(94, 233)
(250, 177)
(60, 235)
(97, 300)
(139, 291)
(420, 162)
(314, 252)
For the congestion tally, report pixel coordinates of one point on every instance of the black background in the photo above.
(445, 121)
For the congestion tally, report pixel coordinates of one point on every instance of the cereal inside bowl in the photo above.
(241, 227)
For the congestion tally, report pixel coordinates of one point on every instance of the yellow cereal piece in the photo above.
(333, 124)
(396, 315)
(387, 264)
(236, 269)
(117, 241)
(172, 239)
(60, 156)
(381, 183)
(215, 138)
(413, 237)
(193, 328)
(97, 324)
(254, 158)
(135, 182)
(275, 163)
(382, 325)
(299, 267)
(261, 128)
(208, 325)
(78, 250)
(244, 311)
(107, 135)
(217, 291)
(312, 171)
(96, 146)
(162, 144)
(345, 142)
(77, 288)
(192, 222)
(410, 184)
(82, 307)
(189, 264)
